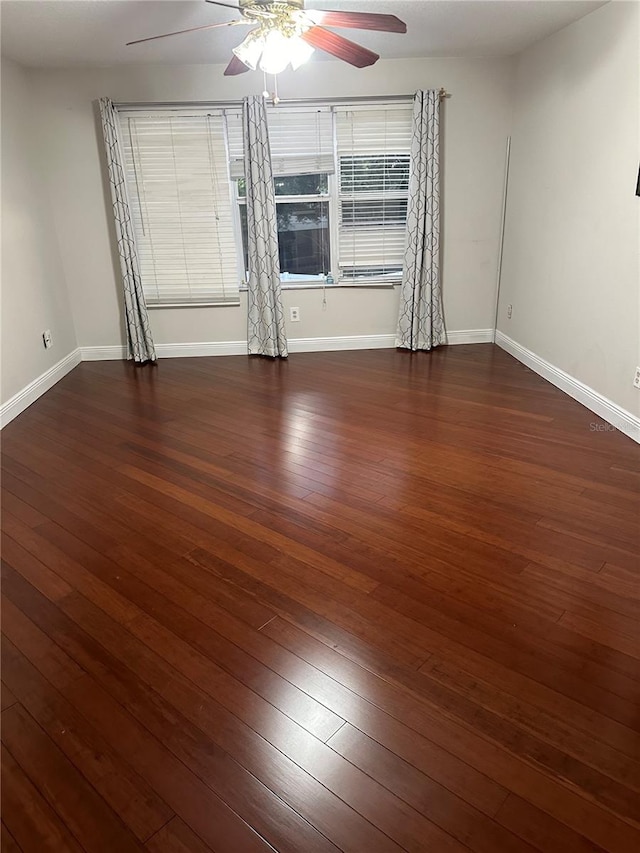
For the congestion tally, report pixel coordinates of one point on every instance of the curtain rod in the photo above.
(235, 103)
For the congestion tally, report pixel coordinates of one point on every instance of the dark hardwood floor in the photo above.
(364, 601)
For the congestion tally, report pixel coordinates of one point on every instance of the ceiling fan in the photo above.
(284, 33)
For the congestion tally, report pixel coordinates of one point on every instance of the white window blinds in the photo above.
(373, 148)
(178, 181)
(301, 141)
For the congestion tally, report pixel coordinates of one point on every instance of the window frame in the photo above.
(363, 106)
(376, 196)
(288, 283)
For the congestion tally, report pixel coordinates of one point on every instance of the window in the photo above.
(181, 207)
(341, 177)
(373, 152)
(304, 241)
(303, 162)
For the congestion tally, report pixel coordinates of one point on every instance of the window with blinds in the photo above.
(373, 146)
(177, 176)
(303, 159)
(341, 176)
(300, 139)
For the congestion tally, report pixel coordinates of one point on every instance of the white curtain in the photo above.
(139, 340)
(266, 331)
(420, 320)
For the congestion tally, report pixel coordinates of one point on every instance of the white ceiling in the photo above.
(56, 33)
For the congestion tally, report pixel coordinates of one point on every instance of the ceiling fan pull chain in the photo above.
(275, 100)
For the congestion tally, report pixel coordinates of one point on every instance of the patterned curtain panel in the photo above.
(266, 330)
(140, 342)
(420, 321)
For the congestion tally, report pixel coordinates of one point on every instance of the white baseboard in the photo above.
(470, 336)
(613, 414)
(191, 350)
(202, 349)
(213, 348)
(345, 342)
(111, 353)
(20, 401)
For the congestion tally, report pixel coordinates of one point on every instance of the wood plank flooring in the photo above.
(363, 601)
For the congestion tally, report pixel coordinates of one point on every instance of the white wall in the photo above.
(476, 121)
(571, 262)
(34, 294)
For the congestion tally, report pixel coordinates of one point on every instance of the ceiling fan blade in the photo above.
(341, 47)
(358, 20)
(226, 5)
(190, 30)
(236, 66)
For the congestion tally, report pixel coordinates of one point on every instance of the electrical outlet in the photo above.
(509, 311)
(636, 378)
(46, 338)
(294, 315)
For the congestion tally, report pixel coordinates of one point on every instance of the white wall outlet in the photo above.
(509, 311)
(46, 338)
(294, 315)
(636, 378)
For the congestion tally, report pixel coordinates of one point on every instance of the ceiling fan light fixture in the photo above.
(275, 56)
(250, 50)
(299, 52)
(272, 50)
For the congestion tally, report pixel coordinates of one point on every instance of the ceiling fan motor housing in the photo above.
(294, 4)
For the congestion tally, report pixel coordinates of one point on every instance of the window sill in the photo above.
(288, 285)
(292, 285)
(153, 306)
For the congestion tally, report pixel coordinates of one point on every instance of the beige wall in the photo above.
(476, 120)
(34, 294)
(571, 261)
